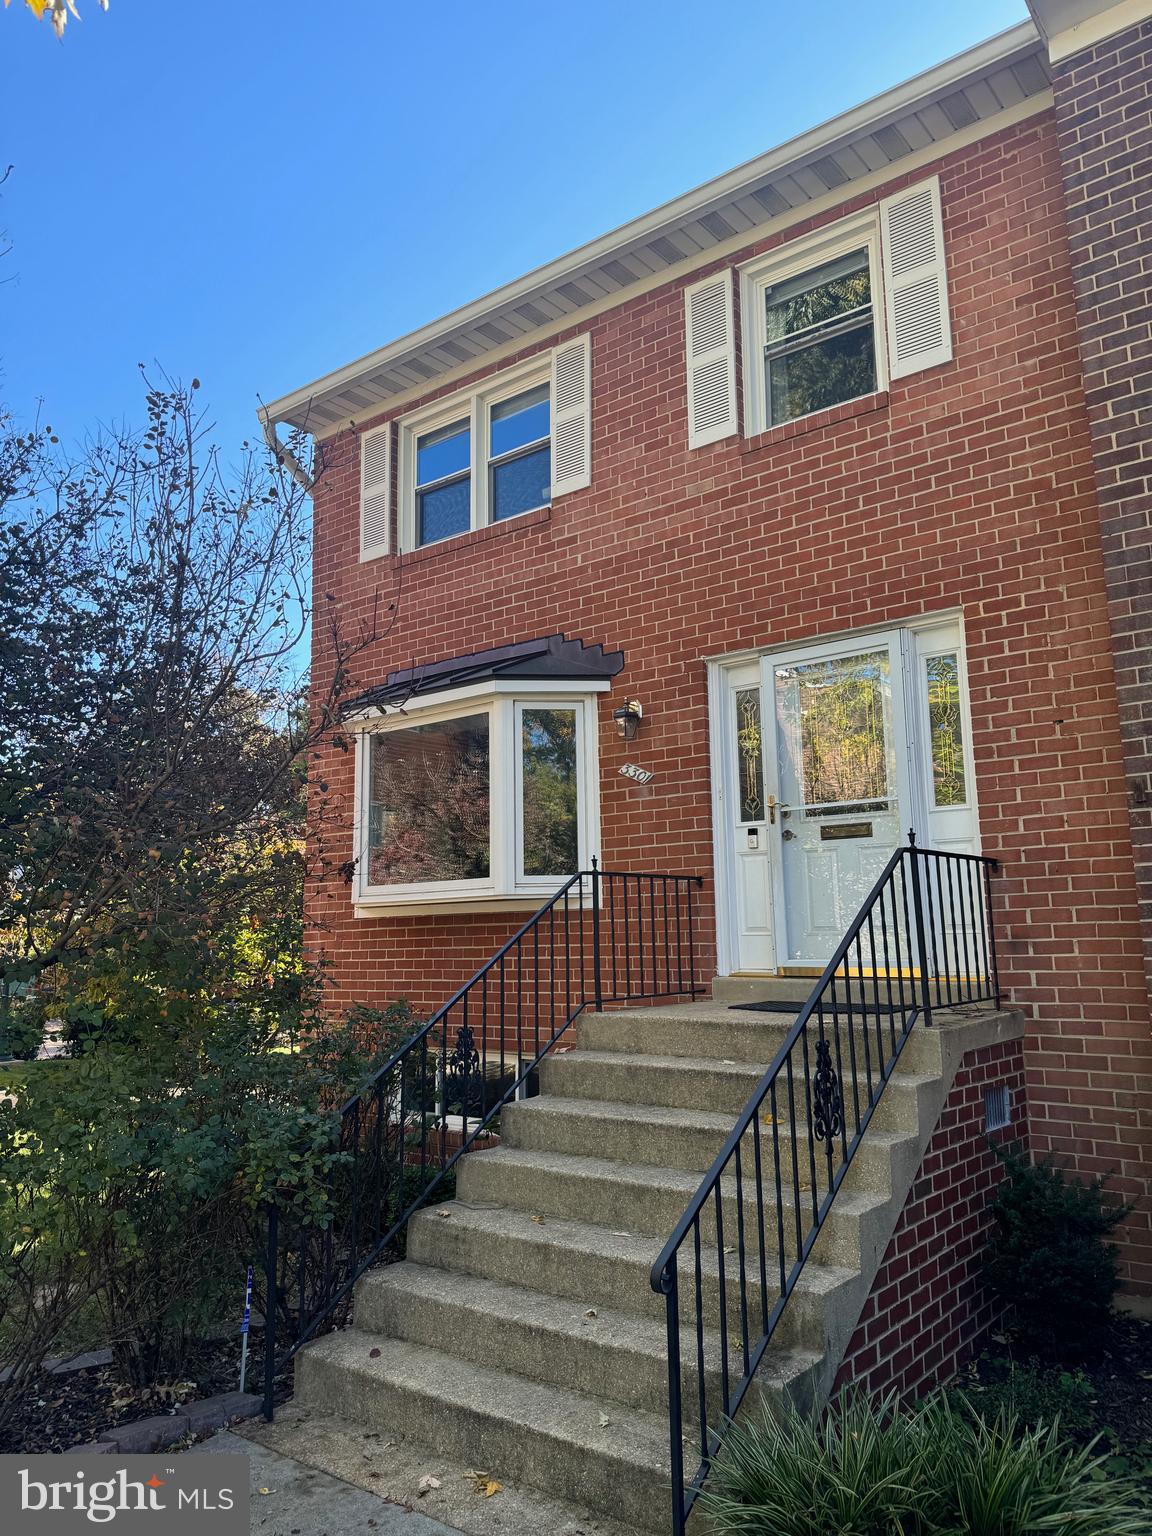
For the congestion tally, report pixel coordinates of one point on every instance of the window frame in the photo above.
(504, 704)
(859, 232)
(926, 655)
(475, 407)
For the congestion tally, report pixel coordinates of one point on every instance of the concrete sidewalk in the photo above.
(301, 1501)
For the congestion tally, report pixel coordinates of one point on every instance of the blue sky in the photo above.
(257, 192)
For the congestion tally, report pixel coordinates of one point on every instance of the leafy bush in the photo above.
(22, 1025)
(1034, 1393)
(1048, 1257)
(131, 1182)
(872, 1469)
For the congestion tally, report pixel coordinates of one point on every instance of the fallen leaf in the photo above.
(539, 1220)
(591, 1312)
(443, 1215)
(604, 1421)
(373, 1354)
(427, 1482)
(265, 1490)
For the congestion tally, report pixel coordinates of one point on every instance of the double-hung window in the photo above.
(814, 335)
(491, 796)
(478, 460)
(819, 338)
(443, 492)
(519, 454)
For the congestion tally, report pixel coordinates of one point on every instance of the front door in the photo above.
(838, 795)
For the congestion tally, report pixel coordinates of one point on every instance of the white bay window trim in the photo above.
(475, 407)
(503, 703)
(859, 232)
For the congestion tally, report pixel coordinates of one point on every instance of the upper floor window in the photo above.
(813, 338)
(476, 461)
(820, 344)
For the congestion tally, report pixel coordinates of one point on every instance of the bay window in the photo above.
(486, 797)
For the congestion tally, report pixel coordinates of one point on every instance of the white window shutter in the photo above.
(711, 347)
(572, 416)
(915, 280)
(375, 488)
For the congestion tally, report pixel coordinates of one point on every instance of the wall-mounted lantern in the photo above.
(628, 718)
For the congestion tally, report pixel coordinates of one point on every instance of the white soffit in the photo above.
(1000, 75)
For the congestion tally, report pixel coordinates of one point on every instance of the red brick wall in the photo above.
(968, 486)
(928, 1309)
(1104, 112)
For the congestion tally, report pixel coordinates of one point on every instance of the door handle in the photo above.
(775, 805)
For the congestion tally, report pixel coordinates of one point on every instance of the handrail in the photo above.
(445, 1008)
(926, 925)
(606, 936)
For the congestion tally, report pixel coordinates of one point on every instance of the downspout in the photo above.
(284, 455)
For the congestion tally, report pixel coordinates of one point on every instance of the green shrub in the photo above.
(1048, 1257)
(22, 1025)
(131, 1183)
(860, 1468)
(1002, 1479)
(938, 1469)
(1033, 1392)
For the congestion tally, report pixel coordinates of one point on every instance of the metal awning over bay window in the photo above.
(477, 777)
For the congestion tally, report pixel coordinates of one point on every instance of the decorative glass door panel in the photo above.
(753, 935)
(841, 782)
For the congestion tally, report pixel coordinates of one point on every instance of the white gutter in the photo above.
(283, 454)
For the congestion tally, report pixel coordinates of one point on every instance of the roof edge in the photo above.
(997, 50)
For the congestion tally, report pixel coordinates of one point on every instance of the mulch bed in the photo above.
(1108, 1393)
(59, 1411)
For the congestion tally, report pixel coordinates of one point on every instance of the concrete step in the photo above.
(715, 1032)
(678, 1138)
(599, 1266)
(583, 1448)
(553, 1339)
(643, 1199)
(681, 1082)
(757, 989)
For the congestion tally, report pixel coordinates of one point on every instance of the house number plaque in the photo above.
(633, 771)
(834, 832)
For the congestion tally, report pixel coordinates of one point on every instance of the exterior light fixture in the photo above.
(628, 718)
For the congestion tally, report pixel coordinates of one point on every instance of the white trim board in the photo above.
(1065, 39)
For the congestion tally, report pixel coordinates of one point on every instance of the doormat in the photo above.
(792, 1010)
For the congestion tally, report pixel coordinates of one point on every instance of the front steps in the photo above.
(521, 1333)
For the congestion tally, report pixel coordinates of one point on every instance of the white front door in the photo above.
(825, 756)
(837, 765)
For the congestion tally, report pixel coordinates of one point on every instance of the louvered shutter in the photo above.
(711, 346)
(375, 485)
(915, 281)
(572, 416)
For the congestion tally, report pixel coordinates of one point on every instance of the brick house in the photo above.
(807, 510)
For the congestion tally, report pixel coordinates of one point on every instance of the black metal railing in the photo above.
(923, 941)
(605, 937)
